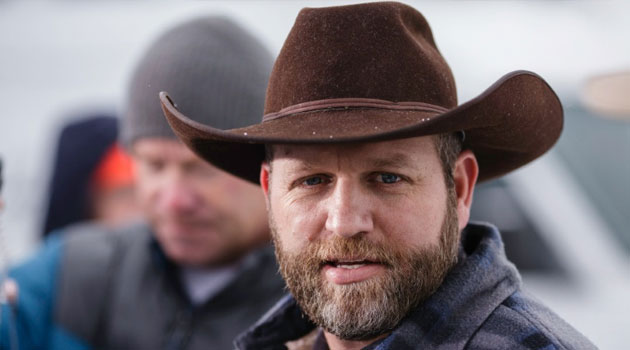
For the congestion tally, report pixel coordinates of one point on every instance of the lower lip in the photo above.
(338, 275)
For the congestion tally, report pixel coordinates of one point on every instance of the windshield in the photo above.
(596, 151)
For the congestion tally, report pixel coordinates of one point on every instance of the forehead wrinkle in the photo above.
(309, 157)
(306, 157)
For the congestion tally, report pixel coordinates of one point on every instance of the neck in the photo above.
(336, 343)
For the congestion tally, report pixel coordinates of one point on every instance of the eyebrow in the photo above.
(396, 160)
(301, 167)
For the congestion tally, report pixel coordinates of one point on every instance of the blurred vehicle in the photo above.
(564, 220)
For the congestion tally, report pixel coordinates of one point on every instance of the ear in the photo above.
(265, 172)
(465, 175)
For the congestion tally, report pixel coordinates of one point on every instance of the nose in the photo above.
(349, 212)
(177, 196)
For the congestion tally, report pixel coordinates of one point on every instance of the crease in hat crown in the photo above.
(324, 62)
(372, 72)
(215, 69)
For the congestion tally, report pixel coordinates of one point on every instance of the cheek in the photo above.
(147, 185)
(231, 186)
(234, 195)
(295, 225)
(146, 194)
(415, 220)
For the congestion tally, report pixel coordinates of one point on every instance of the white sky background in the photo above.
(59, 57)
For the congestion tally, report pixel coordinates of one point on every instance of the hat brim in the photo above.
(510, 124)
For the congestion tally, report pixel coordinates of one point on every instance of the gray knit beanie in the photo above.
(214, 69)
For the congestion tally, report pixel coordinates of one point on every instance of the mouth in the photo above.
(350, 264)
(345, 271)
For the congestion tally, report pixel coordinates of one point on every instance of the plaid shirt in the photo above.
(480, 305)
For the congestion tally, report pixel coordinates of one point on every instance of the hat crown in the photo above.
(379, 51)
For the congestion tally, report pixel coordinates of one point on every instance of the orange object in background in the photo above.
(115, 170)
(112, 193)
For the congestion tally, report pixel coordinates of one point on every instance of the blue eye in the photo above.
(388, 178)
(313, 181)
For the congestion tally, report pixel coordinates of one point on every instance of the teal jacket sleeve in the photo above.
(29, 325)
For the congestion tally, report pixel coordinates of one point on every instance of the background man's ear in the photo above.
(465, 175)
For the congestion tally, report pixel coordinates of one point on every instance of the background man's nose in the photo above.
(176, 195)
(349, 211)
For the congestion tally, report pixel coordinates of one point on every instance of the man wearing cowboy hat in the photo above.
(368, 169)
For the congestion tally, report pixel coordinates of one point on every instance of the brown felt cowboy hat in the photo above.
(372, 72)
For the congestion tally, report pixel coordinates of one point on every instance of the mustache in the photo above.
(353, 249)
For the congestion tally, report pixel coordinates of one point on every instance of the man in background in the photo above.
(199, 271)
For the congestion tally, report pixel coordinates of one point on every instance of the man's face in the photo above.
(201, 215)
(363, 232)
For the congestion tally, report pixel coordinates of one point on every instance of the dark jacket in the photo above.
(91, 289)
(480, 305)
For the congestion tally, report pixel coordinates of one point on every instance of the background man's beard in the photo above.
(367, 309)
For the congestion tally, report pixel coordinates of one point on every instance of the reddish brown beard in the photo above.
(367, 309)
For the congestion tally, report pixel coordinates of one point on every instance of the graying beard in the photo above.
(378, 304)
